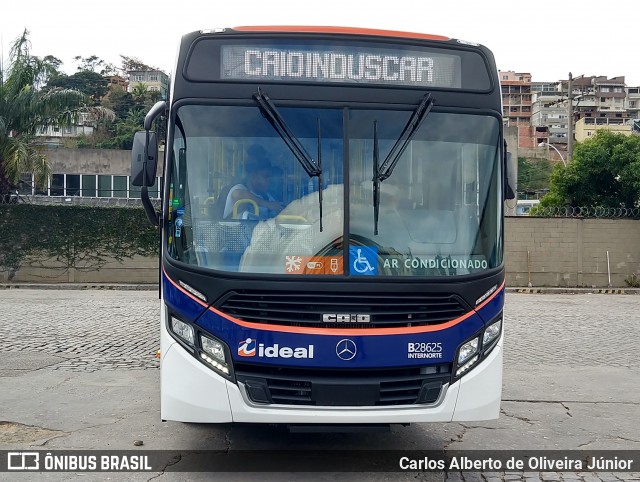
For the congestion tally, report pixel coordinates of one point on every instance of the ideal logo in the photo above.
(248, 348)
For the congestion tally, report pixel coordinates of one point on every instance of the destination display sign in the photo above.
(333, 63)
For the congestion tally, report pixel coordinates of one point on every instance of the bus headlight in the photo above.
(467, 350)
(183, 330)
(474, 350)
(491, 332)
(213, 348)
(467, 356)
(214, 353)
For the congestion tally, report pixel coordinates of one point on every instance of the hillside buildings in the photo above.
(540, 110)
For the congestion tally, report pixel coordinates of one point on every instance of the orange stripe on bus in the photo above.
(337, 331)
(332, 30)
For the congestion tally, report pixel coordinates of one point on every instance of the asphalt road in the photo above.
(78, 371)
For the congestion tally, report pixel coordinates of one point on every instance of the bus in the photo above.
(332, 228)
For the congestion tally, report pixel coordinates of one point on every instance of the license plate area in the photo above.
(336, 395)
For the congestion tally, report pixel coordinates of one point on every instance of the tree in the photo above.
(604, 172)
(95, 64)
(89, 64)
(124, 130)
(23, 109)
(132, 63)
(139, 93)
(90, 83)
(119, 101)
(51, 67)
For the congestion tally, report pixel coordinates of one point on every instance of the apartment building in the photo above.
(587, 127)
(633, 107)
(516, 98)
(549, 109)
(516, 105)
(116, 81)
(54, 136)
(543, 87)
(154, 80)
(599, 97)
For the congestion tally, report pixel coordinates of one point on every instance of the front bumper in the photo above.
(205, 397)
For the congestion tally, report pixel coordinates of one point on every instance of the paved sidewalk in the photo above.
(78, 371)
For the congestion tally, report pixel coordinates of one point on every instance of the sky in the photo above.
(546, 38)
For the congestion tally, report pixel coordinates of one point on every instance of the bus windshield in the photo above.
(240, 200)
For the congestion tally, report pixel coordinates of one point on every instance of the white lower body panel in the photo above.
(191, 392)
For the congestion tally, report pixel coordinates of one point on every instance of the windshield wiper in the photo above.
(376, 179)
(313, 169)
(320, 173)
(270, 112)
(384, 171)
(418, 116)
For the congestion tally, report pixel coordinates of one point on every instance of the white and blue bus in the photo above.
(332, 227)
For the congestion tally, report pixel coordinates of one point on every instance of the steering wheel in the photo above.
(290, 217)
(239, 202)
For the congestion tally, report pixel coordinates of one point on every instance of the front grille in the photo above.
(347, 387)
(386, 310)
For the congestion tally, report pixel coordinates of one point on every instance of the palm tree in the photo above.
(24, 107)
(140, 92)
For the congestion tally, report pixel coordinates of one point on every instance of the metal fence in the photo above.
(585, 212)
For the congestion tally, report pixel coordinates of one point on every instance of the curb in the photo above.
(79, 286)
(575, 291)
(154, 287)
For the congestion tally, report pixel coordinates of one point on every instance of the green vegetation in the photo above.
(116, 114)
(79, 237)
(604, 172)
(129, 109)
(534, 174)
(91, 84)
(633, 281)
(25, 107)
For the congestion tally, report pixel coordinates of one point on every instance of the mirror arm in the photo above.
(150, 211)
(158, 109)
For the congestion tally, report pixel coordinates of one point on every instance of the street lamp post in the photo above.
(570, 124)
(542, 144)
(570, 108)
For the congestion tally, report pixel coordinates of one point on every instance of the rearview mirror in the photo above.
(144, 159)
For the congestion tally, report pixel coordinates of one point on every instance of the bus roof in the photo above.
(343, 30)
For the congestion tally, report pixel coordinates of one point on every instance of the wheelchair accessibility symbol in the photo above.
(364, 260)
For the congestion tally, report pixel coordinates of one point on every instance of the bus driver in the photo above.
(254, 188)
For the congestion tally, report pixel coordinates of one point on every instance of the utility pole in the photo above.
(570, 124)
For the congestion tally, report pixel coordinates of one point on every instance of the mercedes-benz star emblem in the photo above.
(346, 349)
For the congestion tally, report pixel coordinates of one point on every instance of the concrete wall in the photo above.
(89, 161)
(546, 252)
(571, 252)
(511, 136)
(136, 270)
(93, 161)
